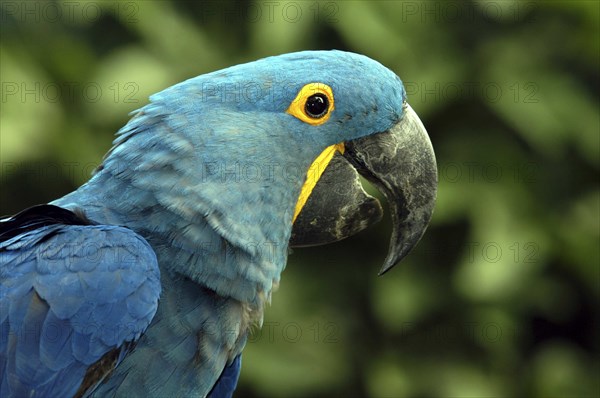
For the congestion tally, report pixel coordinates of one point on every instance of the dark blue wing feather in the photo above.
(225, 385)
(72, 298)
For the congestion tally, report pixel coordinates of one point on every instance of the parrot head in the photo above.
(271, 151)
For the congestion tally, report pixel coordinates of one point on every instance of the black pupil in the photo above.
(316, 105)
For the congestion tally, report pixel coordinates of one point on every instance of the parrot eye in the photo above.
(313, 104)
(316, 105)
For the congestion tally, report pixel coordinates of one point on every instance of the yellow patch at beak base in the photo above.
(313, 174)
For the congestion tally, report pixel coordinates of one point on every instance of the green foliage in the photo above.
(500, 298)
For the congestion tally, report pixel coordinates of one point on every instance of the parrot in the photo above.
(147, 280)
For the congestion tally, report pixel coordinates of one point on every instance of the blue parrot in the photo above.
(146, 280)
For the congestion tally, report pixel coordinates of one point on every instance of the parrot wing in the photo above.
(74, 297)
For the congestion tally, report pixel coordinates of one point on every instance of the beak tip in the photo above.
(394, 258)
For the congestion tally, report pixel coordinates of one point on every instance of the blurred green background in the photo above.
(501, 297)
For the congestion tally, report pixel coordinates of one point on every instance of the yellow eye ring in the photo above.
(313, 104)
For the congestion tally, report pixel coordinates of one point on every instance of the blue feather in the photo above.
(225, 386)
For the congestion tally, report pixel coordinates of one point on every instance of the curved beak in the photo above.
(401, 163)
